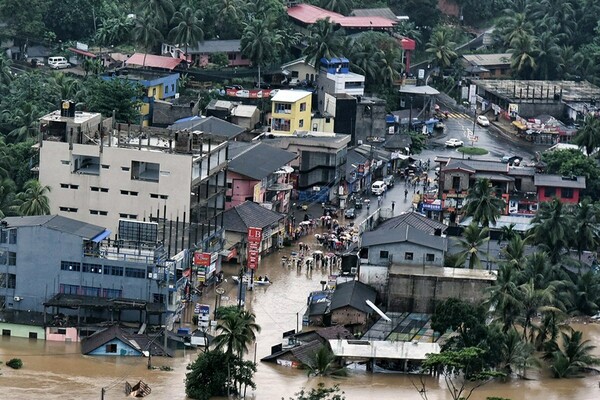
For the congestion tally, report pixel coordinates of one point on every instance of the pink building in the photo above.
(260, 173)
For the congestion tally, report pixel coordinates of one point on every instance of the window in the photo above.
(280, 124)
(32, 335)
(430, 257)
(456, 183)
(92, 268)
(98, 189)
(135, 273)
(166, 89)
(303, 106)
(12, 236)
(12, 258)
(384, 254)
(301, 123)
(408, 256)
(87, 165)
(105, 166)
(112, 348)
(283, 108)
(68, 209)
(99, 212)
(129, 192)
(68, 186)
(5, 332)
(294, 74)
(549, 192)
(70, 266)
(61, 331)
(145, 171)
(172, 87)
(327, 120)
(65, 162)
(566, 193)
(127, 216)
(3, 235)
(229, 185)
(158, 298)
(113, 270)
(124, 168)
(231, 56)
(228, 199)
(159, 196)
(8, 281)
(153, 92)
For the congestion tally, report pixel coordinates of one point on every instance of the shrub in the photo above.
(15, 363)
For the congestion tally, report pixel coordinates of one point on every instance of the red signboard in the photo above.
(254, 240)
(202, 259)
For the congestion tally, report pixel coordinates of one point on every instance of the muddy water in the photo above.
(58, 371)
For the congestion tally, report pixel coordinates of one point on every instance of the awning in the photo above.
(229, 254)
(98, 238)
(520, 125)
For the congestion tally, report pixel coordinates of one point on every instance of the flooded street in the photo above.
(58, 371)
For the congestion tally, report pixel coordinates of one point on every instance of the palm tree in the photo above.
(574, 356)
(472, 239)
(24, 119)
(586, 293)
(586, 228)
(524, 53)
(442, 48)
(534, 301)
(323, 362)
(516, 355)
(588, 136)
(552, 228)
(237, 330)
(547, 55)
(483, 205)
(504, 296)
(187, 28)
(259, 43)
(146, 34)
(159, 11)
(339, 6)
(389, 65)
(514, 252)
(7, 198)
(34, 199)
(64, 86)
(6, 75)
(324, 41)
(408, 29)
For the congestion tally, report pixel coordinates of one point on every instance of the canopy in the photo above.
(98, 238)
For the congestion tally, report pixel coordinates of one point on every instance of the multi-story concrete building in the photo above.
(335, 78)
(290, 111)
(154, 176)
(44, 259)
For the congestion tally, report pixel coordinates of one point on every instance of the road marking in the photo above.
(459, 116)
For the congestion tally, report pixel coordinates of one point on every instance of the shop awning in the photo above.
(519, 125)
(100, 237)
(82, 52)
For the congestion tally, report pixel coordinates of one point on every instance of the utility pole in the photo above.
(102, 392)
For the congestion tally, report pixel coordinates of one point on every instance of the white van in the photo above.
(378, 187)
(56, 60)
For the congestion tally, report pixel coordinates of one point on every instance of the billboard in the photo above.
(250, 94)
(202, 259)
(254, 240)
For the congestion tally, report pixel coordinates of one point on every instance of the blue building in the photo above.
(74, 268)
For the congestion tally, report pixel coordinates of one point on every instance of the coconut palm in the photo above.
(188, 29)
(237, 330)
(514, 252)
(552, 228)
(442, 48)
(24, 121)
(323, 362)
(504, 296)
(6, 75)
(586, 227)
(534, 301)
(516, 355)
(34, 199)
(573, 357)
(259, 43)
(7, 198)
(339, 6)
(146, 34)
(524, 53)
(63, 85)
(547, 55)
(588, 135)
(324, 41)
(472, 239)
(159, 11)
(408, 29)
(586, 293)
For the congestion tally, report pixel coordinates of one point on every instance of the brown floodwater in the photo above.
(58, 370)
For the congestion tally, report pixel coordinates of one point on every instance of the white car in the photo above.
(483, 121)
(60, 65)
(454, 143)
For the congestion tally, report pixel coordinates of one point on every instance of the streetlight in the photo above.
(220, 291)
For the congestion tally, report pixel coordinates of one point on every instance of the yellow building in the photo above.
(291, 111)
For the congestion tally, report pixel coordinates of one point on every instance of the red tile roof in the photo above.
(82, 52)
(153, 61)
(310, 14)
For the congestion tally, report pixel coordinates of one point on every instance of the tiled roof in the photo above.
(153, 61)
(353, 294)
(137, 341)
(260, 161)
(384, 12)
(216, 46)
(249, 214)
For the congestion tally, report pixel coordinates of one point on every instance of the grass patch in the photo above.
(472, 151)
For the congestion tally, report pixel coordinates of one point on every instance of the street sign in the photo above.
(474, 138)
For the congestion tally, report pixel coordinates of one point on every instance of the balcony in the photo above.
(133, 252)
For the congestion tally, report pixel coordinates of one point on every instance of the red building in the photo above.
(565, 188)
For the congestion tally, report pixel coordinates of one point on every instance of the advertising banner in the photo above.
(254, 240)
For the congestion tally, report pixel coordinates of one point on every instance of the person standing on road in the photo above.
(405, 193)
(393, 205)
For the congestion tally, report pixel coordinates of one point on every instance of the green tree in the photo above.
(441, 47)
(504, 296)
(459, 316)
(323, 362)
(517, 355)
(187, 29)
(573, 357)
(6, 75)
(523, 56)
(70, 20)
(219, 59)
(104, 96)
(7, 198)
(324, 41)
(321, 392)
(260, 44)
(586, 293)
(24, 119)
(586, 226)
(575, 163)
(472, 239)
(552, 228)
(24, 21)
(146, 33)
(588, 136)
(34, 199)
(339, 6)
(236, 331)
(534, 301)
(157, 12)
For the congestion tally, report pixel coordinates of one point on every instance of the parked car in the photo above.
(512, 159)
(358, 203)
(60, 65)
(454, 143)
(483, 121)
(350, 213)
(389, 181)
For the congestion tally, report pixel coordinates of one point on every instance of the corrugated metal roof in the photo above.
(310, 14)
(383, 349)
(353, 294)
(576, 182)
(403, 233)
(153, 61)
(216, 46)
(384, 12)
(59, 223)
(488, 59)
(415, 220)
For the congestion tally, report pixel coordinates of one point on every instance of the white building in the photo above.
(335, 78)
